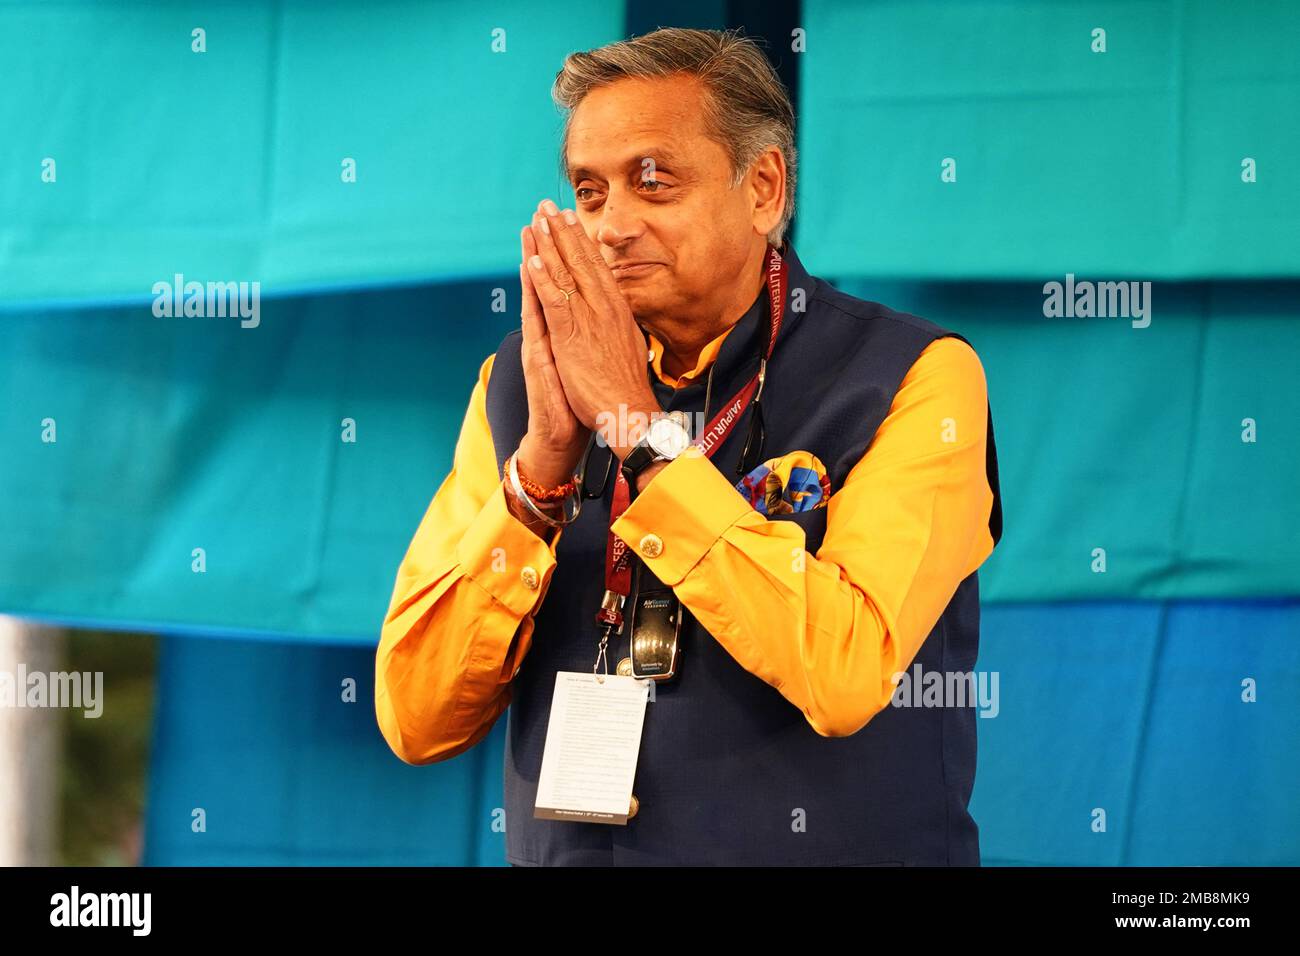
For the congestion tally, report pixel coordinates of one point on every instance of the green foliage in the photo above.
(105, 759)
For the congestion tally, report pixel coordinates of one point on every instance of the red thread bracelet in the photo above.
(538, 493)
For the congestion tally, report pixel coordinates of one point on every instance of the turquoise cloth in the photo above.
(183, 433)
(1126, 163)
(228, 165)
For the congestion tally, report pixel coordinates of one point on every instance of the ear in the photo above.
(766, 183)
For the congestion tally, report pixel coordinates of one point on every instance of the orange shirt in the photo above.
(707, 355)
(828, 631)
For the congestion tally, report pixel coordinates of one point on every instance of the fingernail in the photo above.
(546, 226)
(551, 208)
(535, 262)
(569, 217)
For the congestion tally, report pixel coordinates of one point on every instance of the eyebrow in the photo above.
(661, 155)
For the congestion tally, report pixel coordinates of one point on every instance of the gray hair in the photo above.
(746, 107)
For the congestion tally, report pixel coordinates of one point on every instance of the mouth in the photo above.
(628, 270)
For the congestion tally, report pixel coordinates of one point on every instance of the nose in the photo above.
(618, 224)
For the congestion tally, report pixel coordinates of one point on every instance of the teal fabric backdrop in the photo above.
(1126, 162)
(228, 164)
(182, 433)
(177, 434)
(1131, 439)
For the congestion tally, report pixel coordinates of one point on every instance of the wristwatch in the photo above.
(667, 437)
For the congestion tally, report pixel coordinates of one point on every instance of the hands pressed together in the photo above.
(583, 352)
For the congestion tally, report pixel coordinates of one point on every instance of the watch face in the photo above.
(667, 437)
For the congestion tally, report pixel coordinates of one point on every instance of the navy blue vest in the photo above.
(729, 771)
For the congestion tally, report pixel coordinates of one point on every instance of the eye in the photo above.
(653, 185)
(586, 194)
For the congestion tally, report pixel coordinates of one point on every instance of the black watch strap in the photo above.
(637, 461)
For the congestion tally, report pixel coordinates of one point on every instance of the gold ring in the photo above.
(567, 294)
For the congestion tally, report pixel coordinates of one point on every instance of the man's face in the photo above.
(654, 193)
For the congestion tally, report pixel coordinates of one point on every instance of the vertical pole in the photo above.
(30, 748)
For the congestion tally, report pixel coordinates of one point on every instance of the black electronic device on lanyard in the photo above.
(654, 644)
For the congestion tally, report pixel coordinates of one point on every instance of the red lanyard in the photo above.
(618, 556)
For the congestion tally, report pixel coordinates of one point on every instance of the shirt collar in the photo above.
(731, 351)
(707, 356)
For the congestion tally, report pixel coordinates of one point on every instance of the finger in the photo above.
(540, 332)
(536, 314)
(550, 375)
(526, 247)
(555, 303)
(530, 325)
(531, 307)
(537, 343)
(528, 321)
(530, 318)
(550, 294)
(607, 281)
(581, 255)
(529, 243)
(532, 248)
(561, 275)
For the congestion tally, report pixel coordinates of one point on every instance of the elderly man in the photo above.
(804, 527)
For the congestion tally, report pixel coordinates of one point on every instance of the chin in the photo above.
(643, 297)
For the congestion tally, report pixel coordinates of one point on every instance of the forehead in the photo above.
(628, 119)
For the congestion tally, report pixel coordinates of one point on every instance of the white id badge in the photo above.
(592, 742)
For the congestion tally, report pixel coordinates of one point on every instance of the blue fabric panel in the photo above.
(1137, 710)
(257, 735)
(1132, 708)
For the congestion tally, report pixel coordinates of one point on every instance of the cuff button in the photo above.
(651, 546)
(529, 576)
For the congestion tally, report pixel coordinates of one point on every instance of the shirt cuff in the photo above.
(505, 558)
(680, 515)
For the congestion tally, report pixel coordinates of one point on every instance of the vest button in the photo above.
(633, 807)
(529, 576)
(652, 546)
(625, 667)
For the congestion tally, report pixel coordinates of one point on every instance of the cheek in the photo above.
(704, 236)
(727, 229)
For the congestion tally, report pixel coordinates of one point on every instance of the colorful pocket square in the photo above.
(796, 481)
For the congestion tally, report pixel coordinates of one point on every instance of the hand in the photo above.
(599, 350)
(551, 449)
